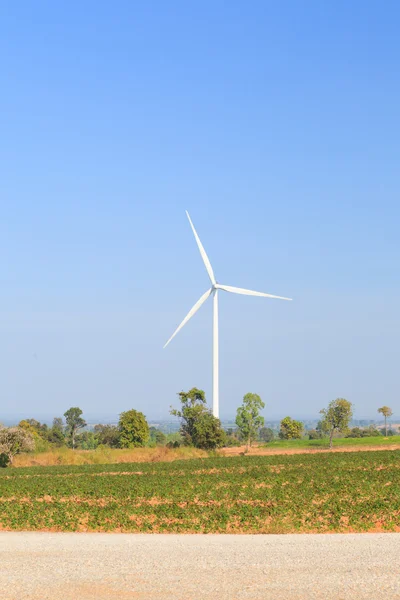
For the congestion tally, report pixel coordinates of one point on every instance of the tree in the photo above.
(199, 427)
(192, 407)
(87, 440)
(56, 434)
(372, 431)
(314, 434)
(34, 426)
(336, 417)
(208, 433)
(14, 440)
(291, 429)
(157, 437)
(386, 411)
(248, 418)
(356, 432)
(133, 429)
(58, 423)
(39, 432)
(74, 423)
(266, 434)
(107, 435)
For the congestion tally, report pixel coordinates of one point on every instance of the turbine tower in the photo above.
(213, 291)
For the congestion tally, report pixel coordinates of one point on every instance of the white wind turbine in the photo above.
(214, 292)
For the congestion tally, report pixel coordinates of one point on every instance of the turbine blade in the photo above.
(236, 290)
(190, 314)
(202, 252)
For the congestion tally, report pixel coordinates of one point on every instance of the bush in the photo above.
(357, 432)
(314, 434)
(4, 460)
(232, 441)
(175, 444)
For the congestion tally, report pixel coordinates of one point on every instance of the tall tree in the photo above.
(192, 407)
(291, 429)
(133, 429)
(199, 427)
(386, 411)
(74, 423)
(248, 418)
(336, 417)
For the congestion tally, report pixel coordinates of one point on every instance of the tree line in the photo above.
(132, 431)
(198, 428)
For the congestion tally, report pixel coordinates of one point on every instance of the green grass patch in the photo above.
(337, 442)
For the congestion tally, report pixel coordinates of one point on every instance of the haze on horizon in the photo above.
(276, 127)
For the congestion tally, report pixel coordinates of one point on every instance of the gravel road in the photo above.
(74, 566)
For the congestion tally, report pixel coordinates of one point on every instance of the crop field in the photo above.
(261, 494)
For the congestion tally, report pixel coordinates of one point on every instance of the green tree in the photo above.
(199, 427)
(314, 434)
(248, 418)
(266, 434)
(336, 417)
(56, 434)
(87, 440)
(58, 423)
(157, 437)
(208, 433)
(386, 411)
(372, 431)
(107, 435)
(192, 407)
(39, 432)
(355, 432)
(74, 423)
(291, 429)
(56, 437)
(35, 427)
(133, 428)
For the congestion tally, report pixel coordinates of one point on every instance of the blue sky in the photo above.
(276, 125)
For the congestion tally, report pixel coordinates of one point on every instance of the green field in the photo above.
(337, 442)
(261, 494)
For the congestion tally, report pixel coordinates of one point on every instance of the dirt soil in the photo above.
(263, 451)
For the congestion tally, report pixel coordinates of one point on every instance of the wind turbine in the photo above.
(213, 291)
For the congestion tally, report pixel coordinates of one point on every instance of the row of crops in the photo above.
(271, 494)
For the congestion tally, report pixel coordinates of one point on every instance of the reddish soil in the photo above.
(263, 451)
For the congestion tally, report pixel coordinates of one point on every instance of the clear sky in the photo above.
(276, 124)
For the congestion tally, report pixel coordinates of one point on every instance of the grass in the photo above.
(104, 456)
(337, 442)
(327, 492)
